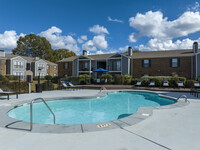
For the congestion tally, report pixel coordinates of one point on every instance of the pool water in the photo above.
(83, 111)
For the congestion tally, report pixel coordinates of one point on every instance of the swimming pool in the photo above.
(83, 111)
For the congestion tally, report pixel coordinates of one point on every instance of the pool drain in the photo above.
(103, 125)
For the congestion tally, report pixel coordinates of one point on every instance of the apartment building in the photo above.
(185, 63)
(20, 65)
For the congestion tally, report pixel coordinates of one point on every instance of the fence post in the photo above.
(19, 84)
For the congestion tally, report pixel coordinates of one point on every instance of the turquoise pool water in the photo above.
(83, 111)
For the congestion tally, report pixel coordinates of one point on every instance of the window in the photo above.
(55, 67)
(41, 66)
(174, 62)
(48, 67)
(54, 74)
(146, 63)
(66, 65)
(18, 64)
(21, 74)
(116, 65)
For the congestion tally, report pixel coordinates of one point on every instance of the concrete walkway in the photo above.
(175, 128)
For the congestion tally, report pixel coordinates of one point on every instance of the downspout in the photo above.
(196, 64)
(192, 69)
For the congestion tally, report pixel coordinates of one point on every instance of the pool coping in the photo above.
(141, 114)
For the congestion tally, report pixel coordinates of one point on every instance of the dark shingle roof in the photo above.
(140, 55)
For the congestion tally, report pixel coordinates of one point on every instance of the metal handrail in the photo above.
(184, 97)
(31, 111)
(102, 88)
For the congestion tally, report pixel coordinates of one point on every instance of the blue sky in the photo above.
(102, 26)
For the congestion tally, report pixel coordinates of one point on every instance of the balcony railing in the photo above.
(18, 66)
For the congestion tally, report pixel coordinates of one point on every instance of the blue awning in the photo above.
(100, 70)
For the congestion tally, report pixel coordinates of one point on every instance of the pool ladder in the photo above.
(31, 111)
(102, 89)
(183, 96)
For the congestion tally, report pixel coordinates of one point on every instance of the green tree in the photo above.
(62, 53)
(34, 46)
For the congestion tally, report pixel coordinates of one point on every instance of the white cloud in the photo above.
(53, 35)
(115, 20)
(195, 7)
(98, 29)
(8, 40)
(100, 42)
(89, 46)
(125, 48)
(82, 39)
(156, 44)
(132, 38)
(153, 24)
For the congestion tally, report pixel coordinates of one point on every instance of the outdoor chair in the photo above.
(196, 84)
(8, 93)
(180, 84)
(165, 84)
(138, 83)
(65, 85)
(152, 83)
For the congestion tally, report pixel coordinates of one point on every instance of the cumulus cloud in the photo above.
(154, 25)
(53, 35)
(98, 29)
(8, 40)
(125, 48)
(89, 46)
(156, 44)
(132, 38)
(82, 39)
(115, 20)
(98, 42)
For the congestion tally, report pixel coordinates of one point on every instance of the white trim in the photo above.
(18, 57)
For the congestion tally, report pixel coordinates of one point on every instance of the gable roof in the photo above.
(140, 55)
(29, 59)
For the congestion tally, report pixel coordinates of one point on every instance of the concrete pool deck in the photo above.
(175, 128)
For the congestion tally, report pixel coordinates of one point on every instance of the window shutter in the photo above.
(63, 65)
(142, 62)
(170, 63)
(149, 62)
(178, 62)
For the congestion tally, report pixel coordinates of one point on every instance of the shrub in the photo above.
(145, 82)
(35, 78)
(73, 79)
(134, 81)
(55, 79)
(47, 85)
(189, 84)
(48, 77)
(84, 79)
(10, 77)
(108, 77)
(127, 79)
(118, 79)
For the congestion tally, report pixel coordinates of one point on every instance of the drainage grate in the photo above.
(103, 125)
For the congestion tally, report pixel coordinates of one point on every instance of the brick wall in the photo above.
(51, 70)
(3, 66)
(161, 67)
(62, 71)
